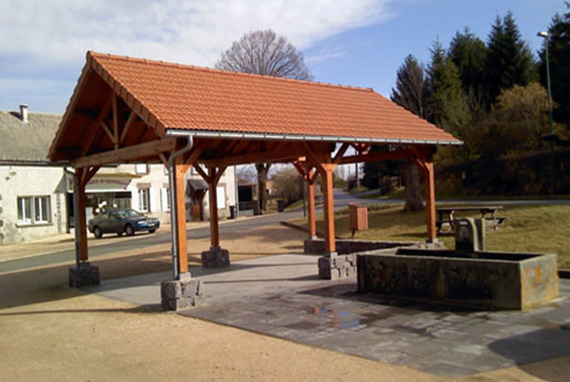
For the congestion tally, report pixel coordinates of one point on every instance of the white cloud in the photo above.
(59, 32)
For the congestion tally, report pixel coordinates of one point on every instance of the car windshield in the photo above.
(131, 213)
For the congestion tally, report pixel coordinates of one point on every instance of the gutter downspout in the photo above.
(173, 205)
(75, 215)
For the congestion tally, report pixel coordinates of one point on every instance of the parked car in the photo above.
(126, 221)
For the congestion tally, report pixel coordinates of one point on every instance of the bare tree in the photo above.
(263, 52)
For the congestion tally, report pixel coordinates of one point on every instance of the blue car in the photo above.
(126, 221)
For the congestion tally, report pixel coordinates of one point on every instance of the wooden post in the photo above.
(179, 171)
(430, 201)
(328, 207)
(81, 219)
(214, 230)
(423, 159)
(312, 222)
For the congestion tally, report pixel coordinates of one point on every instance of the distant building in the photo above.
(36, 196)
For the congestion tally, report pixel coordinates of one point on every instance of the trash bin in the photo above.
(280, 205)
(358, 216)
(233, 212)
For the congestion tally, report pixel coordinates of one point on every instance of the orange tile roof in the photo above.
(173, 96)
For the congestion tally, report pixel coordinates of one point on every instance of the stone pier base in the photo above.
(84, 275)
(337, 267)
(216, 257)
(181, 294)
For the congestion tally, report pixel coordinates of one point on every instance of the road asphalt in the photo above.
(118, 244)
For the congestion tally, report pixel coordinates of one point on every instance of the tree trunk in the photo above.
(413, 189)
(262, 170)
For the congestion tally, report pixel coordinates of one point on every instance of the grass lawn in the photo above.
(532, 228)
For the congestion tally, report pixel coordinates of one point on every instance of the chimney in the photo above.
(24, 113)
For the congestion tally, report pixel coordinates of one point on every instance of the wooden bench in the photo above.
(446, 215)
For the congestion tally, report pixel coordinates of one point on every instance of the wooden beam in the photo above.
(218, 174)
(202, 173)
(163, 159)
(115, 122)
(128, 124)
(95, 128)
(430, 202)
(81, 219)
(340, 153)
(285, 154)
(180, 205)
(108, 131)
(88, 174)
(328, 207)
(311, 215)
(127, 154)
(377, 156)
(214, 228)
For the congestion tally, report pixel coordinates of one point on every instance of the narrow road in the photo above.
(117, 244)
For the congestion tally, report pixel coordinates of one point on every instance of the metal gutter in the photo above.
(173, 205)
(308, 138)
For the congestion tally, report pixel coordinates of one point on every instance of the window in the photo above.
(34, 209)
(141, 168)
(144, 199)
(166, 199)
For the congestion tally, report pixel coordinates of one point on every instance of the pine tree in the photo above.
(468, 52)
(411, 90)
(447, 101)
(509, 60)
(412, 93)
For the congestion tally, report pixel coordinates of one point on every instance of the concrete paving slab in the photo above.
(281, 296)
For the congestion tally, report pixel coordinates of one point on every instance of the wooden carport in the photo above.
(127, 110)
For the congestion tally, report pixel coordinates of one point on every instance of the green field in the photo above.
(530, 228)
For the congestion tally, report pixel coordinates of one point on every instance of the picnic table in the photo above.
(446, 215)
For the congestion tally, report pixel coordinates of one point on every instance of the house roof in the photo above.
(173, 96)
(27, 142)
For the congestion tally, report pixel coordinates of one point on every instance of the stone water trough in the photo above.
(475, 278)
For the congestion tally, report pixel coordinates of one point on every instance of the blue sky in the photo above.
(349, 42)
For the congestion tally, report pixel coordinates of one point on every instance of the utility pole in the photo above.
(546, 37)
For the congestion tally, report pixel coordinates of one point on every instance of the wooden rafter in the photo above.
(378, 156)
(340, 153)
(218, 174)
(163, 159)
(95, 128)
(282, 154)
(109, 133)
(128, 154)
(128, 124)
(202, 173)
(115, 121)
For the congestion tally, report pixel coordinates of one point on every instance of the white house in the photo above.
(36, 196)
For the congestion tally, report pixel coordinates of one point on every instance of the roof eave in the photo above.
(301, 137)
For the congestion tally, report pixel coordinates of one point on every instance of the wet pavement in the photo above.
(282, 297)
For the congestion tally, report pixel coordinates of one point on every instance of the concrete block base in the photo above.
(181, 294)
(337, 267)
(84, 275)
(216, 257)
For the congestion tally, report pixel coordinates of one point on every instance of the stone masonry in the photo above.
(216, 257)
(84, 275)
(181, 294)
(342, 266)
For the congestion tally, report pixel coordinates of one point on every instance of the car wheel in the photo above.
(151, 230)
(129, 230)
(97, 232)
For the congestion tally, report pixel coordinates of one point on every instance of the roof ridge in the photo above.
(33, 113)
(226, 72)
